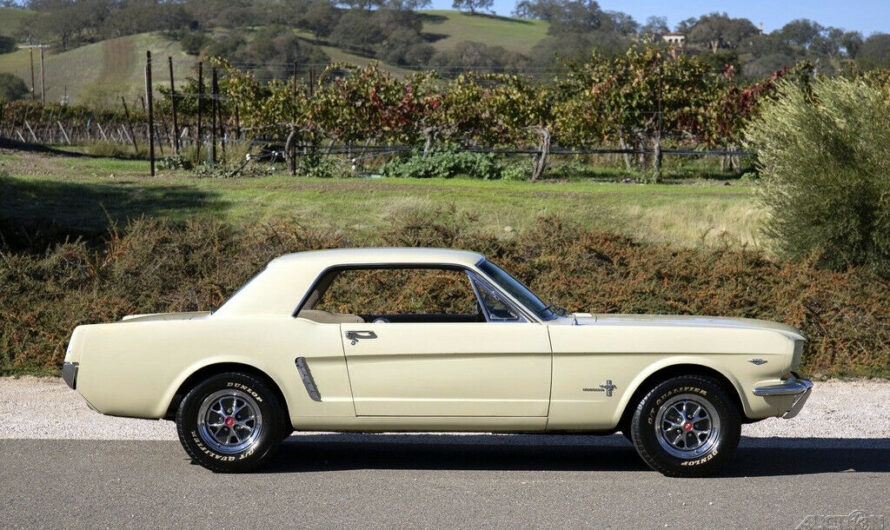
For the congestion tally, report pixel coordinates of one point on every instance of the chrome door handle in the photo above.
(355, 336)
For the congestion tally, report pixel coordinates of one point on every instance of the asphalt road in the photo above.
(334, 480)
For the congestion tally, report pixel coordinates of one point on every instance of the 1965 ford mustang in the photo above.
(433, 340)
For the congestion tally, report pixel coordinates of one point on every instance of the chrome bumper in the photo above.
(69, 374)
(800, 388)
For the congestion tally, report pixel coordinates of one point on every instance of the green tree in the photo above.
(405, 46)
(565, 16)
(193, 42)
(851, 41)
(320, 18)
(355, 30)
(654, 28)
(476, 56)
(719, 30)
(12, 87)
(874, 52)
(7, 44)
(472, 5)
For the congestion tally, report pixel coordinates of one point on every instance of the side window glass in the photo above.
(495, 308)
(401, 295)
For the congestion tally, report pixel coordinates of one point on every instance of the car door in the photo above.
(448, 369)
(494, 363)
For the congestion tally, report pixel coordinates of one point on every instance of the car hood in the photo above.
(684, 321)
(166, 316)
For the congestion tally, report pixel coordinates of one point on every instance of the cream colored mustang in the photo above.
(272, 359)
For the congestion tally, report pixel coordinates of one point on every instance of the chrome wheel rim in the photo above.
(687, 426)
(229, 421)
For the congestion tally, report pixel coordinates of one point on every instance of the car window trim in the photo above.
(474, 278)
(506, 298)
(371, 266)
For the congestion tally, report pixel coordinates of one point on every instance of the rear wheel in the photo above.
(686, 427)
(230, 423)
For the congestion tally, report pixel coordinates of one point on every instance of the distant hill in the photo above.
(97, 73)
(452, 27)
(11, 17)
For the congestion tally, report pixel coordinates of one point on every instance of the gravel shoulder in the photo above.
(45, 408)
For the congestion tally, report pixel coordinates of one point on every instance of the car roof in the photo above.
(379, 256)
(285, 281)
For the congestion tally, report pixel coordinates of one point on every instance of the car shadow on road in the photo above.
(755, 456)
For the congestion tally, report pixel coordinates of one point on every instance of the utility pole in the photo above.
(42, 77)
(151, 121)
(33, 91)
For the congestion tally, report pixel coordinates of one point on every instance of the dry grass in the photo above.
(77, 193)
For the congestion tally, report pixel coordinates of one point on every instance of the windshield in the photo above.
(518, 291)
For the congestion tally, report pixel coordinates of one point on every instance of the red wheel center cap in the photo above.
(230, 421)
(687, 426)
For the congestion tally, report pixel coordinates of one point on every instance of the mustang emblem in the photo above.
(757, 362)
(607, 388)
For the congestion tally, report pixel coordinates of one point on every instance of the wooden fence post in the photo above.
(200, 108)
(173, 107)
(151, 120)
(311, 81)
(214, 109)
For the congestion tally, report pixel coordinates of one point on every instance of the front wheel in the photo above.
(230, 423)
(686, 427)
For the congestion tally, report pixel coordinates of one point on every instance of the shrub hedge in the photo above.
(445, 164)
(824, 156)
(160, 266)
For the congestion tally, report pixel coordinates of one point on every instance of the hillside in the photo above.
(97, 73)
(452, 27)
(11, 17)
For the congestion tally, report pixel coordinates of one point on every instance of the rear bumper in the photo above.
(69, 374)
(799, 389)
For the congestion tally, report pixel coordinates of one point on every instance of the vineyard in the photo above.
(85, 240)
(642, 105)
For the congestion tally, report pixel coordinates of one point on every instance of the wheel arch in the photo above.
(219, 368)
(664, 373)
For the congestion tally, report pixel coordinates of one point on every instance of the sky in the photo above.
(867, 16)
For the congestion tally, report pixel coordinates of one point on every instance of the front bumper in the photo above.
(69, 374)
(800, 389)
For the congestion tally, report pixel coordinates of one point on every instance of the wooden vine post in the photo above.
(200, 108)
(130, 125)
(214, 115)
(150, 110)
(173, 108)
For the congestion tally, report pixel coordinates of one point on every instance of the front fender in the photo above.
(670, 363)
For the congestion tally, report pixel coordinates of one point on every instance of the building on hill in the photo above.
(674, 39)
